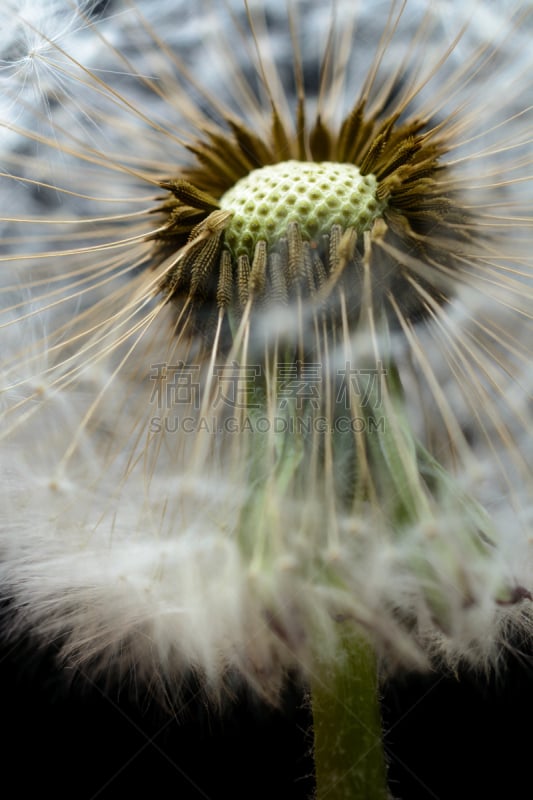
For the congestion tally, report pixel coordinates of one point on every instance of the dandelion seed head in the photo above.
(155, 261)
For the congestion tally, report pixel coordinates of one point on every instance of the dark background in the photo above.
(448, 737)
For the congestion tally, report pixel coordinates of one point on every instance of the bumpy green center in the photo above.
(315, 195)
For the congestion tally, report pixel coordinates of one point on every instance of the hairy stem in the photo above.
(348, 747)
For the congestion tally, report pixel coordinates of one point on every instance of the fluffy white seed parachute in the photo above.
(141, 531)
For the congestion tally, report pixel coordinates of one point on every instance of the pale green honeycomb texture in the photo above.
(317, 195)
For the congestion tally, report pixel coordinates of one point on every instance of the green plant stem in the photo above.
(348, 748)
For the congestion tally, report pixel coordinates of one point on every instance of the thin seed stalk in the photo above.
(348, 743)
(348, 746)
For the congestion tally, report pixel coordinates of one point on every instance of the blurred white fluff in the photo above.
(121, 548)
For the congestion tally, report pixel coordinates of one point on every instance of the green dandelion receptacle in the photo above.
(316, 196)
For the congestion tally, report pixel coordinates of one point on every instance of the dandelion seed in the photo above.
(264, 364)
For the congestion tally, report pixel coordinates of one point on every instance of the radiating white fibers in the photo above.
(121, 530)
